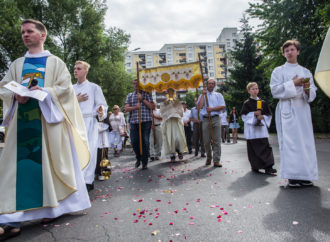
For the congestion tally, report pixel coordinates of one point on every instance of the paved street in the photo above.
(187, 201)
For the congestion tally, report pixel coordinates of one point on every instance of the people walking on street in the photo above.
(197, 130)
(294, 86)
(211, 118)
(92, 105)
(233, 124)
(174, 140)
(118, 130)
(225, 135)
(256, 122)
(46, 146)
(156, 137)
(143, 101)
(187, 126)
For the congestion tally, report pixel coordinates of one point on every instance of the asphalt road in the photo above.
(187, 201)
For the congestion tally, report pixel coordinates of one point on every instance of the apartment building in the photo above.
(216, 53)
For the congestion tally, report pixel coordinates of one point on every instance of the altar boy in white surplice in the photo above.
(293, 85)
(92, 104)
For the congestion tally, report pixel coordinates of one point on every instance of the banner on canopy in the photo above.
(178, 77)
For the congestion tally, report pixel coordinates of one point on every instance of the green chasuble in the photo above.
(29, 187)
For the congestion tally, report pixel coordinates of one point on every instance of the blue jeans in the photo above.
(135, 141)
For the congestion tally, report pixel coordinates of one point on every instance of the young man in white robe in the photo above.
(46, 145)
(293, 85)
(92, 105)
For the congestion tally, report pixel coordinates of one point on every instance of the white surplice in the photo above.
(89, 111)
(294, 123)
(255, 132)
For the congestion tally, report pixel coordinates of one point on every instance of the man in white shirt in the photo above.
(187, 126)
(92, 104)
(216, 103)
(156, 138)
(224, 127)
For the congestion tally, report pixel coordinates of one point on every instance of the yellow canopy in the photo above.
(322, 72)
(182, 76)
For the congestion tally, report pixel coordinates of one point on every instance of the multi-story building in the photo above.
(217, 55)
(172, 54)
(227, 37)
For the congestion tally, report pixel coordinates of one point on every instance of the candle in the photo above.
(259, 104)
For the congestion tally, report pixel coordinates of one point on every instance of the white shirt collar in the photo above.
(41, 54)
(290, 64)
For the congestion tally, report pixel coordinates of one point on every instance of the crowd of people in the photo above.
(54, 146)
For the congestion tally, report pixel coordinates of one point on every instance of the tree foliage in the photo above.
(246, 68)
(76, 31)
(305, 20)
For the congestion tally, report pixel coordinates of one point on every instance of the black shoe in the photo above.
(190, 151)
(270, 171)
(137, 164)
(254, 170)
(8, 232)
(156, 158)
(196, 153)
(90, 187)
(294, 183)
(180, 155)
(172, 158)
(306, 183)
(152, 158)
(144, 167)
(203, 155)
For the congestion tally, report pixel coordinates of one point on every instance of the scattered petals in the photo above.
(170, 223)
(239, 231)
(191, 223)
(155, 232)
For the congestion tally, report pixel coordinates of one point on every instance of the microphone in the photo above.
(34, 82)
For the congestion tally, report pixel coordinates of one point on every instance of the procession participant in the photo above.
(216, 103)
(46, 146)
(259, 151)
(135, 101)
(92, 104)
(293, 85)
(118, 126)
(233, 124)
(174, 139)
(197, 130)
(225, 136)
(187, 126)
(156, 132)
(103, 145)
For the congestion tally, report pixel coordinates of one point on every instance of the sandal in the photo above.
(8, 232)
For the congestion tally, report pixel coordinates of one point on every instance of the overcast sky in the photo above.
(153, 23)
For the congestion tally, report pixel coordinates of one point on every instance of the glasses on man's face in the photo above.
(115, 109)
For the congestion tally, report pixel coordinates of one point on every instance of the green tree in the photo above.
(246, 62)
(305, 20)
(75, 32)
(190, 99)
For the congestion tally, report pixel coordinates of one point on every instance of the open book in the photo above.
(25, 92)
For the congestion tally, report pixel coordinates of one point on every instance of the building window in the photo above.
(149, 57)
(128, 64)
(169, 49)
(211, 68)
(228, 44)
(234, 35)
(210, 54)
(190, 49)
(211, 74)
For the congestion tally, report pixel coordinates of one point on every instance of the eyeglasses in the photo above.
(115, 109)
